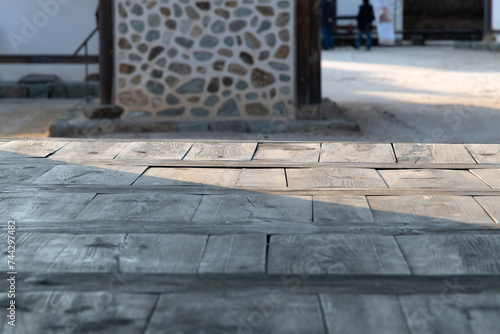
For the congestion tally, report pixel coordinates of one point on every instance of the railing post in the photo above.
(105, 19)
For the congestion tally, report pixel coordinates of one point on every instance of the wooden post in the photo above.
(105, 19)
(308, 52)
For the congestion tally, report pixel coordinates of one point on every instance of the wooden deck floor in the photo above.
(245, 237)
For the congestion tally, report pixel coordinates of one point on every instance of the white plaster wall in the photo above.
(59, 28)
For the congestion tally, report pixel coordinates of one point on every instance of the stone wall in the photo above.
(190, 59)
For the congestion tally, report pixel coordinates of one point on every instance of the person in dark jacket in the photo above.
(328, 15)
(365, 19)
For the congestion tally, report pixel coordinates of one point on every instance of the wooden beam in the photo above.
(106, 51)
(48, 59)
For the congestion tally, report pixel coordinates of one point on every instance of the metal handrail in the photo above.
(96, 29)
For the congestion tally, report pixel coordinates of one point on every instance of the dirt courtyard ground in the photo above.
(401, 94)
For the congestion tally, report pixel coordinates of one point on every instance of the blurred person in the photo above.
(365, 19)
(328, 15)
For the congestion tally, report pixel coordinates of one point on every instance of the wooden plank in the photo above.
(490, 176)
(432, 208)
(160, 253)
(341, 209)
(335, 254)
(304, 152)
(147, 207)
(324, 177)
(22, 173)
(432, 179)
(269, 178)
(485, 153)
(222, 151)
(219, 177)
(252, 208)
(452, 254)
(95, 150)
(492, 206)
(363, 314)
(357, 152)
(234, 254)
(449, 312)
(156, 150)
(38, 206)
(81, 312)
(29, 148)
(78, 174)
(36, 252)
(274, 312)
(484, 320)
(432, 153)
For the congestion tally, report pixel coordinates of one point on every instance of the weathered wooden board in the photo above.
(81, 312)
(492, 206)
(341, 209)
(418, 209)
(220, 210)
(79, 174)
(264, 178)
(303, 152)
(95, 150)
(222, 151)
(432, 179)
(162, 253)
(357, 152)
(42, 206)
(490, 176)
(170, 150)
(363, 314)
(485, 153)
(324, 177)
(22, 173)
(269, 312)
(452, 254)
(335, 254)
(432, 153)
(234, 254)
(451, 312)
(220, 177)
(146, 207)
(29, 148)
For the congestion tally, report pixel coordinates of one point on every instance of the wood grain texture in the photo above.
(450, 312)
(432, 153)
(234, 254)
(81, 312)
(415, 209)
(335, 254)
(220, 177)
(357, 152)
(220, 210)
(146, 207)
(489, 176)
(26, 207)
(492, 206)
(95, 150)
(168, 150)
(363, 314)
(264, 178)
(268, 312)
(452, 254)
(303, 152)
(432, 179)
(341, 209)
(29, 148)
(485, 153)
(222, 151)
(78, 174)
(325, 177)
(22, 173)
(162, 253)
